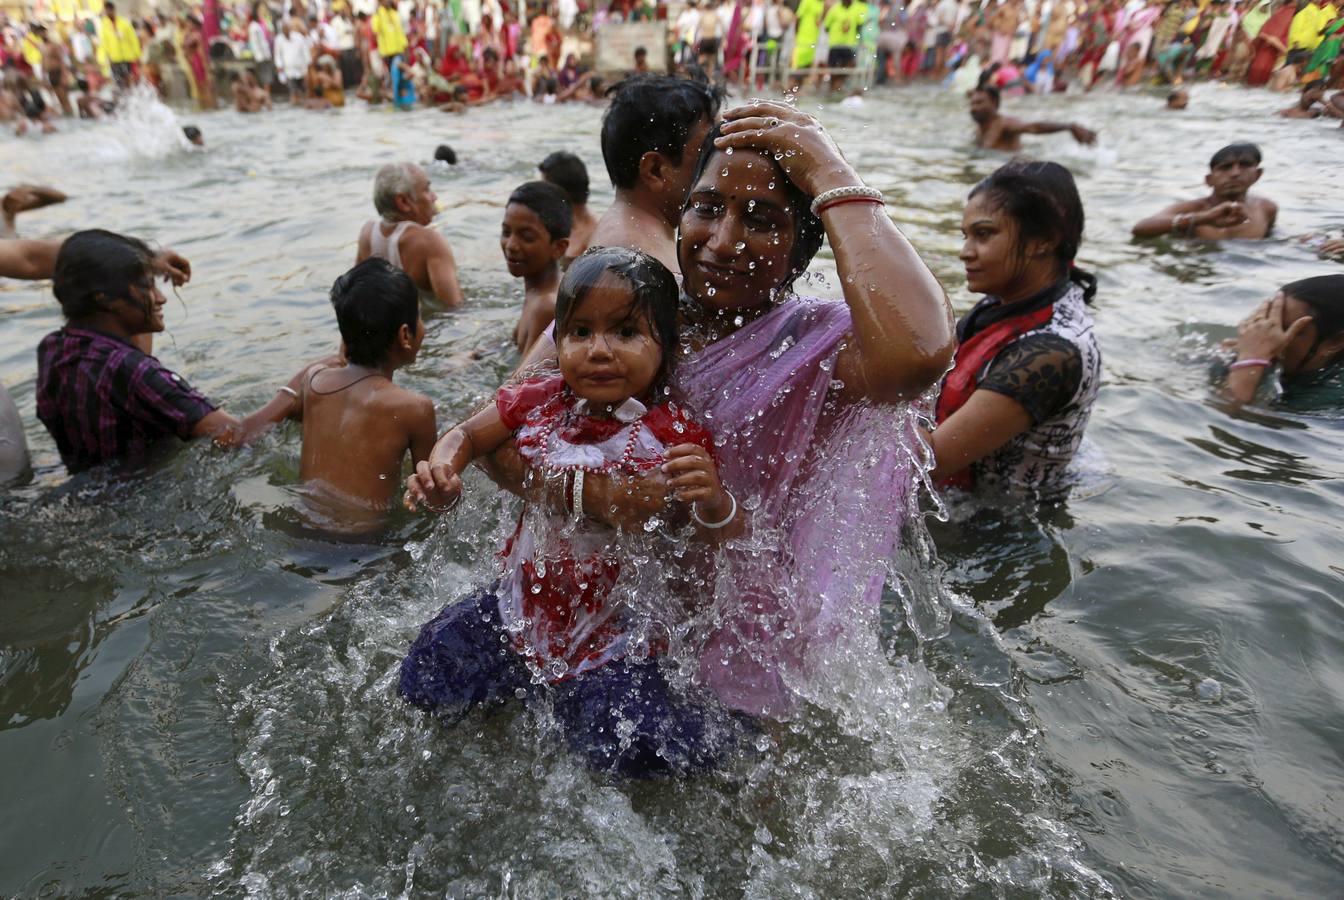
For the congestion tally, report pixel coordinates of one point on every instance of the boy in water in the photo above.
(357, 424)
(534, 237)
(1229, 212)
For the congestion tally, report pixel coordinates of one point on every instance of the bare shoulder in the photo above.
(408, 406)
(426, 239)
(1263, 204)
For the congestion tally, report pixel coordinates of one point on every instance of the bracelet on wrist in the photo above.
(1250, 363)
(851, 192)
(576, 506)
(732, 514)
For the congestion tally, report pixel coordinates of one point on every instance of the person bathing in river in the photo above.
(357, 424)
(248, 95)
(556, 615)
(650, 136)
(406, 205)
(99, 392)
(996, 131)
(1229, 212)
(1300, 332)
(533, 238)
(808, 401)
(567, 172)
(1310, 104)
(1013, 410)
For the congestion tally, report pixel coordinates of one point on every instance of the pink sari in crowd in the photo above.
(827, 487)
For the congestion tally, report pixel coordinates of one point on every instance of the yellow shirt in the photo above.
(32, 50)
(842, 24)
(387, 28)
(119, 41)
(1305, 32)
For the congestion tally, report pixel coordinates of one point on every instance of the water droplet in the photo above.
(728, 152)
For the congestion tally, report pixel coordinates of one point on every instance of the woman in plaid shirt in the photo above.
(99, 393)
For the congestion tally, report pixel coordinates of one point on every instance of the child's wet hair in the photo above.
(550, 205)
(372, 301)
(95, 268)
(653, 292)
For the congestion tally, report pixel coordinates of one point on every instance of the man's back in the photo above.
(357, 429)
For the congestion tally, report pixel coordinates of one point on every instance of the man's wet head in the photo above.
(984, 104)
(1233, 170)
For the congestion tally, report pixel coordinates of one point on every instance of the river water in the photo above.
(196, 693)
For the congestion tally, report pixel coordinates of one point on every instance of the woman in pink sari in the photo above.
(812, 405)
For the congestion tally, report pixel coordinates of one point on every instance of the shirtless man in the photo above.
(1229, 212)
(651, 139)
(999, 132)
(358, 425)
(57, 72)
(402, 236)
(248, 95)
(1310, 105)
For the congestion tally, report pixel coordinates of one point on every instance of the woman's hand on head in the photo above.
(1261, 335)
(802, 147)
(173, 266)
(435, 487)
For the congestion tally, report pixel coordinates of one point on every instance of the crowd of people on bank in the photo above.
(672, 383)
(457, 53)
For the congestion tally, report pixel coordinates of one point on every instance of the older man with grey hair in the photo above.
(401, 235)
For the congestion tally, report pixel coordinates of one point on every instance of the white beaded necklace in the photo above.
(625, 462)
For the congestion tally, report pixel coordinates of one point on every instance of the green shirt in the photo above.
(809, 22)
(842, 24)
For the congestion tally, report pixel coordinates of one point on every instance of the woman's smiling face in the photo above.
(737, 232)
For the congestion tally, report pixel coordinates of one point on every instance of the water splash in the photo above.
(141, 128)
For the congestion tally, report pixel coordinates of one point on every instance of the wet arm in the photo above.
(987, 422)
(228, 430)
(442, 271)
(424, 428)
(28, 260)
(1165, 221)
(902, 332)
(483, 433)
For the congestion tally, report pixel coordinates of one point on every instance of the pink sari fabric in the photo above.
(827, 487)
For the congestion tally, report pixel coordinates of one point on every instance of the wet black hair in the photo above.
(641, 51)
(990, 91)
(372, 301)
(1313, 85)
(567, 172)
(95, 268)
(808, 232)
(652, 113)
(549, 203)
(444, 153)
(654, 296)
(1241, 150)
(191, 132)
(1042, 199)
(1325, 295)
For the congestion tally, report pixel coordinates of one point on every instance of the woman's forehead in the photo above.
(746, 172)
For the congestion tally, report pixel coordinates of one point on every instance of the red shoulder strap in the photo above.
(972, 356)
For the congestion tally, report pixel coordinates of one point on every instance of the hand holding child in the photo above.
(435, 486)
(694, 479)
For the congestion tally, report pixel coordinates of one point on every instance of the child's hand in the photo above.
(437, 487)
(694, 478)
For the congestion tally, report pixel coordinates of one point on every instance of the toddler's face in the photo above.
(608, 353)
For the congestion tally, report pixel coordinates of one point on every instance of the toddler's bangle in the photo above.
(1249, 364)
(847, 193)
(576, 508)
(732, 514)
(286, 389)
